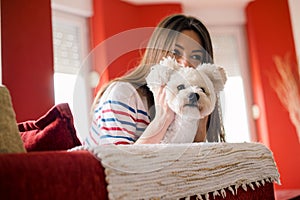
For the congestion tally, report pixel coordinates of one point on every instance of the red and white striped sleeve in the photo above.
(120, 117)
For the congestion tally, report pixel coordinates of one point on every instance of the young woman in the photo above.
(124, 111)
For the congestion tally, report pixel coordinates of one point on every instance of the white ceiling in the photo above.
(195, 4)
(212, 12)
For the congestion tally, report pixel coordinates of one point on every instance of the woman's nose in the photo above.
(184, 62)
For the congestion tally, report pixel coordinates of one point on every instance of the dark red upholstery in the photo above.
(51, 175)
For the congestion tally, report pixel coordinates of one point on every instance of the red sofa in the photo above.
(46, 170)
(72, 175)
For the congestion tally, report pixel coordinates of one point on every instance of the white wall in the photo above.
(78, 7)
(294, 6)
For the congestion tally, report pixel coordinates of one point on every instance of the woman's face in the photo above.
(188, 49)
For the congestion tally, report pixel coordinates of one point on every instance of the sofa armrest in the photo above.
(52, 175)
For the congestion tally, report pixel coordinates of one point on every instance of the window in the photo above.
(67, 60)
(70, 46)
(230, 52)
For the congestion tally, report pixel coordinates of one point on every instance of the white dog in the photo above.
(190, 93)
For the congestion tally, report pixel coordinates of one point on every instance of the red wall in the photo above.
(270, 34)
(27, 56)
(27, 52)
(111, 20)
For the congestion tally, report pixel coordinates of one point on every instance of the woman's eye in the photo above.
(176, 52)
(180, 87)
(197, 57)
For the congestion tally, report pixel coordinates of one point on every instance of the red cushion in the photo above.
(53, 131)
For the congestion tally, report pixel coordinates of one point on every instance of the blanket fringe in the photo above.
(230, 189)
(216, 193)
(234, 191)
(199, 197)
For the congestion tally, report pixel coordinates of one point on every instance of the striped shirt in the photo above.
(120, 117)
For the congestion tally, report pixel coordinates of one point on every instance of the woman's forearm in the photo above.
(154, 133)
(157, 129)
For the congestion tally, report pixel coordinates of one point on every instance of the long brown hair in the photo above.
(160, 45)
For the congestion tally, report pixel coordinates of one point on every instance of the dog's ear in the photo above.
(160, 73)
(216, 74)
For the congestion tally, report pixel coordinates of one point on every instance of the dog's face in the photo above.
(190, 93)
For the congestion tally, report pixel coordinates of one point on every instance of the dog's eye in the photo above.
(180, 87)
(203, 89)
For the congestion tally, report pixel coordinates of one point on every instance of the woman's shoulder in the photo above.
(121, 86)
(120, 90)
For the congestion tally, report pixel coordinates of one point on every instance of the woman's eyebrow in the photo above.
(197, 50)
(179, 46)
(193, 51)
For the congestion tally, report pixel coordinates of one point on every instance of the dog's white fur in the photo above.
(190, 93)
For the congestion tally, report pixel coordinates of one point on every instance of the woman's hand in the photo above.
(164, 116)
(163, 113)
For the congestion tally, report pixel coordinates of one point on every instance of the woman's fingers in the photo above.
(163, 111)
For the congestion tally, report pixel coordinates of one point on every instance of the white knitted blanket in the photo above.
(173, 171)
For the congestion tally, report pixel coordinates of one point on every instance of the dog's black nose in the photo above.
(193, 98)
